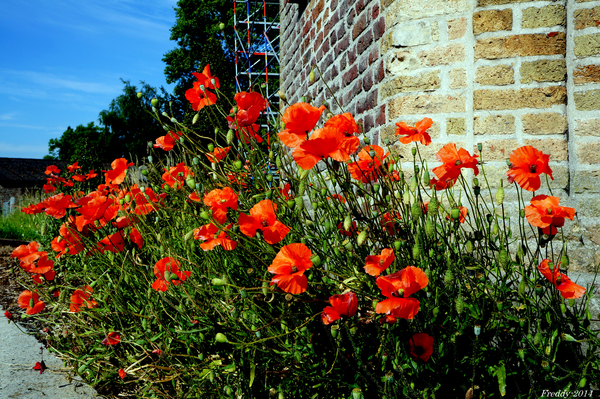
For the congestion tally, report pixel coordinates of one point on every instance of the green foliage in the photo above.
(19, 226)
(91, 146)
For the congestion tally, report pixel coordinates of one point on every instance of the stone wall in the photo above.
(504, 73)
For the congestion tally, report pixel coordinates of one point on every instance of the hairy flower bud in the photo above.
(500, 196)
(460, 305)
(433, 206)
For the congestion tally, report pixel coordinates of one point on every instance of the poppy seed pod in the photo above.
(397, 245)
(413, 184)
(433, 206)
(367, 140)
(416, 211)
(500, 196)
(460, 305)
(455, 213)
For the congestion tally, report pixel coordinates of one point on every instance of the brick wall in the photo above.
(503, 73)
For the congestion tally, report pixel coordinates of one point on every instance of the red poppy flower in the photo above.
(136, 238)
(122, 373)
(568, 289)
(82, 299)
(299, 119)
(167, 142)
(94, 208)
(289, 266)
(44, 265)
(397, 287)
(34, 209)
(176, 175)
(199, 95)
(73, 168)
(31, 301)
(27, 254)
(421, 346)
(263, 217)
(67, 241)
(346, 124)
(453, 161)
(146, 201)
(112, 243)
(527, 164)
(337, 197)
(57, 205)
(209, 233)
(324, 143)
(219, 200)
(218, 154)
(250, 105)
(441, 185)
(285, 191)
(52, 169)
(390, 221)
(117, 174)
(367, 168)
(348, 233)
(416, 133)
(40, 366)
(113, 338)
(341, 305)
(376, 264)
(91, 175)
(167, 271)
(8, 315)
(545, 213)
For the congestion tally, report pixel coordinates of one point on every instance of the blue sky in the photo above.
(61, 62)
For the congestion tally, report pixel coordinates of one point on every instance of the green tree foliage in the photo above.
(200, 42)
(89, 145)
(124, 130)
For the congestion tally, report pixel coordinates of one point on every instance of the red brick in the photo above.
(351, 56)
(375, 12)
(318, 8)
(381, 116)
(360, 5)
(378, 28)
(364, 42)
(351, 75)
(374, 55)
(359, 26)
(367, 81)
(378, 77)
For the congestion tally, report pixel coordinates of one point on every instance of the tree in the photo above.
(92, 146)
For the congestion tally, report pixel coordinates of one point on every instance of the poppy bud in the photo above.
(564, 260)
(238, 164)
(563, 308)
(362, 237)
(460, 305)
(221, 338)
(188, 235)
(499, 305)
(500, 196)
(154, 102)
(376, 187)
(455, 213)
(211, 147)
(406, 198)
(347, 223)
(429, 228)
(311, 76)
(521, 353)
(503, 257)
(416, 211)
(522, 214)
(522, 286)
(413, 184)
(433, 206)
(496, 228)
(367, 140)
(191, 183)
(426, 178)
(469, 246)
(397, 245)
(416, 251)
(299, 203)
(448, 277)
(582, 383)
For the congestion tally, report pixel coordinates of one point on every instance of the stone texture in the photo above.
(443, 55)
(398, 62)
(587, 45)
(427, 152)
(412, 34)
(495, 75)
(587, 127)
(544, 123)
(484, 3)
(587, 100)
(586, 181)
(457, 28)
(521, 46)
(494, 124)
(547, 16)
(456, 126)
(498, 150)
(400, 11)
(557, 148)
(586, 74)
(402, 84)
(588, 152)
(544, 71)
(425, 104)
(587, 18)
(519, 98)
(492, 21)
(458, 78)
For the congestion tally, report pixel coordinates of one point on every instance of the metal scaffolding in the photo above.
(256, 47)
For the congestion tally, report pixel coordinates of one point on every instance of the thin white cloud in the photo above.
(8, 116)
(48, 80)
